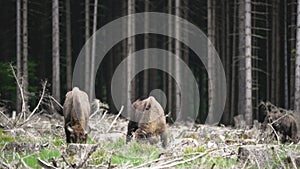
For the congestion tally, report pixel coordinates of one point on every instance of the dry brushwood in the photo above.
(21, 119)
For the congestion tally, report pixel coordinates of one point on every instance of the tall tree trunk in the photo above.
(131, 49)
(242, 64)
(25, 52)
(228, 114)
(293, 46)
(268, 93)
(55, 51)
(123, 56)
(286, 83)
(233, 68)
(146, 46)
(278, 58)
(170, 63)
(211, 29)
(19, 54)
(274, 55)
(92, 64)
(186, 52)
(297, 64)
(87, 49)
(68, 45)
(248, 59)
(178, 54)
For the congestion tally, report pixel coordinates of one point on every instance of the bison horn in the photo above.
(70, 129)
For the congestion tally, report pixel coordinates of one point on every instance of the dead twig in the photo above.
(56, 101)
(184, 161)
(167, 158)
(20, 88)
(6, 117)
(278, 141)
(37, 106)
(115, 119)
(44, 164)
(83, 161)
(104, 114)
(282, 164)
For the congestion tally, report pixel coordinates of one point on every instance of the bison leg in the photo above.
(294, 131)
(68, 133)
(132, 127)
(164, 139)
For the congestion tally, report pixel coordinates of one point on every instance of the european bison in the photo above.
(76, 113)
(151, 121)
(284, 123)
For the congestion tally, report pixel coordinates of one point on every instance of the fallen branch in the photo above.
(278, 141)
(115, 119)
(104, 114)
(167, 158)
(44, 164)
(184, 161)
(6, 117)
(56, 101)
(83, 161)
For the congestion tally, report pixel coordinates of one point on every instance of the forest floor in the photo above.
(40, 143)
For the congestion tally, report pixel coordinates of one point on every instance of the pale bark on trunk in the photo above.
(68, 45)
(87, 48)
(297, 64)
(241, 59)
(170, 63)
(92, 61)
(178, 54)
(25, 52)
(248, 60)
(211, 29)
(186, 55)
(131, 49)
(19, 55)
(55, 51)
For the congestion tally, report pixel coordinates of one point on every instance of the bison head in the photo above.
(77, 134)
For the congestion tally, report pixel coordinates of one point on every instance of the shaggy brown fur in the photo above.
(151, 121)
(284, 124)
(76, 113)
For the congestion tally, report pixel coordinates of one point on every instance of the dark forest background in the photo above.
(273, 49)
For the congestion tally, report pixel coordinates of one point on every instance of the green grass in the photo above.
(5, 138)
(134, 153)
(30, 159)
(45, 155)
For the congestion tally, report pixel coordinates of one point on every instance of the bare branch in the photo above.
(56, 101)
(20, 87)
(115, 119)
(36, 108)
(44, 164)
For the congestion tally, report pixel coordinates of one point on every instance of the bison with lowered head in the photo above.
(76, 113)
(149, 123)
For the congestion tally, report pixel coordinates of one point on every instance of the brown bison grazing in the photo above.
(76, 112)
(284, 123)
(151, 121)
